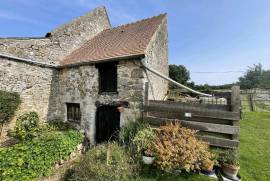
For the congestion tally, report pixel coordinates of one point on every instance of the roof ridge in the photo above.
(120, 41)
(138, 21)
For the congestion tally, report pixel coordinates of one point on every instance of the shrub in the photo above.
(176, 147)
(229, 156)
(60, 125)
(104, 162)
(143, 140)
(129, 131)
(26, 126)
(30, 159)
(8, 105)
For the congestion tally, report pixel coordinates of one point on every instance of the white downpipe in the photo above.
(172, 81)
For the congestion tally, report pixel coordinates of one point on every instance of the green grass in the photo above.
(254, 153)
(149, 174)
(255, 146)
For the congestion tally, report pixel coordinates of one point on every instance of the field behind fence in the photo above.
(218, 124)
(255, 100)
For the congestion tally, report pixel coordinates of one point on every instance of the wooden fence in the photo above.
(217, 124)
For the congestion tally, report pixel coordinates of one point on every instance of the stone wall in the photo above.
(157, 58)
(80, 85)
(32, 82)
(62, 41)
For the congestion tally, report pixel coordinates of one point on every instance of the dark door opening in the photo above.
(107, 123)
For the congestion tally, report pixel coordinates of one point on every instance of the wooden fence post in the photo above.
(235, 106)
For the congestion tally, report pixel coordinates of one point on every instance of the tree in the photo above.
(255, 77)
(179, 73)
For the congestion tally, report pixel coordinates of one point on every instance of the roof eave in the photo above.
(136, 56)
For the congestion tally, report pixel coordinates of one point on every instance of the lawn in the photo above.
(255, 146)
(154, 175)
(254, 152)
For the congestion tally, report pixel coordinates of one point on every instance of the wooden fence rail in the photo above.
(217, 124)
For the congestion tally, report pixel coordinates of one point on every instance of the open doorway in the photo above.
(107, 123)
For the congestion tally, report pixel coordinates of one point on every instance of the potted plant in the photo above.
(230, 166)
(143, 141)
(208, 167)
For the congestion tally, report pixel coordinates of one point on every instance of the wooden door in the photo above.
(107, 123)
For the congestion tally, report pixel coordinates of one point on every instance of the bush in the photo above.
(26, 126)
(9, 102)
(31, 159)
(143, 140)
(176, 147)
(229, 156)
(60, 125)
(129, 131)
(104, 162)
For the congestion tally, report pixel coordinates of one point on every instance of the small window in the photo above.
(107, 77)
(73, 112)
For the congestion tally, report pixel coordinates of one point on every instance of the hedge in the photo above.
(8, 105)
(30, 159)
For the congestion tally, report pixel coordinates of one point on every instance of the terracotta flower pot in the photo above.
(230, 170)
(120, 109)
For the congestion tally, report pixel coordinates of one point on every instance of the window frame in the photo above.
(73, 112)
(101, 77)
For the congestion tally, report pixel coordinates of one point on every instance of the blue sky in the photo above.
(206, 36)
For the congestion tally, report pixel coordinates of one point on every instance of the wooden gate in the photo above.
(217, 124)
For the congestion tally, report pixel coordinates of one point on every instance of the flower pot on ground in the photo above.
(230, 163)
(148, 157)
(208, 167)
(143, 141)
(148, 160)
(230, 171)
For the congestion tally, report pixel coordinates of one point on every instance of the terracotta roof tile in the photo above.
(123, 41)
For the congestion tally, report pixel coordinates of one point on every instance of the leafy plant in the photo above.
(143, 141)
(229, 156)
(60, 125)
(129, 131)
(26, 126)
(177, 147)
(104, 162)
(30, 159)
(9, 102)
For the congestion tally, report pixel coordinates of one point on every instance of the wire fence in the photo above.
(255, 100)
(251, 100)
(218, 98)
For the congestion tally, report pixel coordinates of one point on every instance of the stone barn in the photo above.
(87, 72)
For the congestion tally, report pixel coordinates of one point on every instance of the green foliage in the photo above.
(143, 140)
(255, 77)
(129, 131)
(179, 73)
(26, 126)
(229, 156)
(104, 162)
(60, 125)
(34, 158)
(8, 105)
